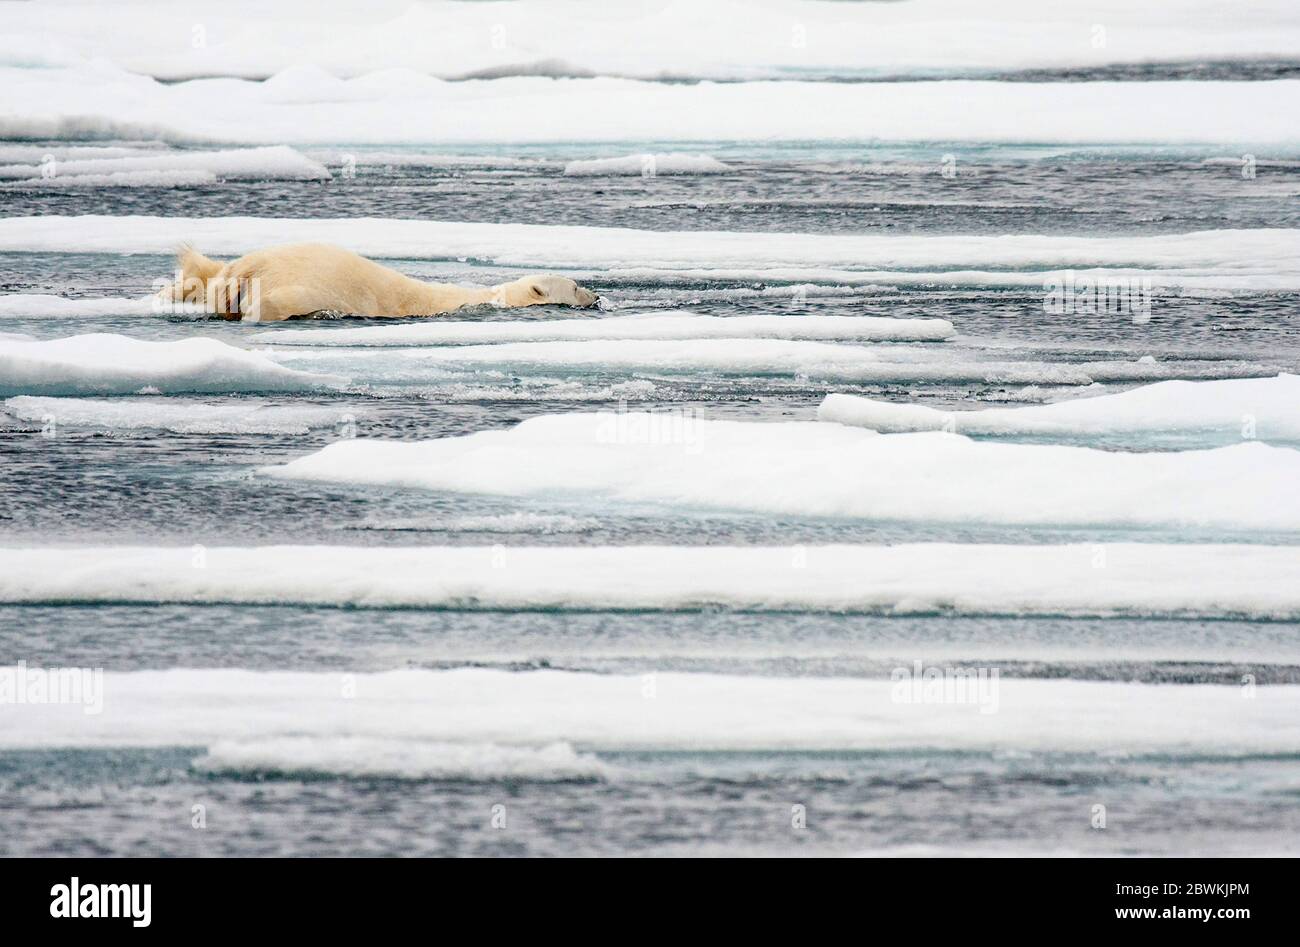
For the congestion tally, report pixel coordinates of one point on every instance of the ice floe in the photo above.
(647, 326)
(593, 713)
(160, 179)
(360, 757)
(1108, 580)
(1262, 259)
(36, 305)
(800, 360)
(182, 167)
(752, 357)
(178, 416)
(16, 153)
(817, 469)
(367, 157)
(703, 39)
(541, 524)
(1245, 408)
(397, 107)
(646, 165)
(115, 364)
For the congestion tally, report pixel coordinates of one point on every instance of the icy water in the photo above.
(152, 482)
(804, 188)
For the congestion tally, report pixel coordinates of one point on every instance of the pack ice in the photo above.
(1242, 408)
(178, 415)
(1118, 579)
(114, 364)
(817, 469)
(473, 707)
(1260, 259)
(646, 326)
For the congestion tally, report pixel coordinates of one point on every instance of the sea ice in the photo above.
(314, 42)
(115, 364)
(395, 107)
(591, 713)
(1136, 580)
(180, 416)
(647, 326)
(1247, 408)
(646, 165)
(817, 469)
(1264, 259)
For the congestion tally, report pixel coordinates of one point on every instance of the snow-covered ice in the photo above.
(818, 469)
(36, 305)
(114, 364)
(640, 326)
(367, 157)
(794, 359)
(646, 165)
(609, 712)
(177, 415)
(241, 164)
(1115, 579)
(701, 39)
(1265, 259)
(302, 106)
(350, 756)
(1264, 408)
(159, 179)
(18, 153)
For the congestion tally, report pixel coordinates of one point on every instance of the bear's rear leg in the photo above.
(279, 304)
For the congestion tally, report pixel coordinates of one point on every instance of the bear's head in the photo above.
(546, 290)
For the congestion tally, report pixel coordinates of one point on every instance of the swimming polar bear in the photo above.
(298, 279)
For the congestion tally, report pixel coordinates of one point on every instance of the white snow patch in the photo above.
(1264, 408)
(177, 416)
(33, 305)
(1233, 259)
(242, 164)
(362, 757)
(803, 361)
(115, 364)
(537, 523)
(690, 712)
(115, 179)
(632, 327)
(646, 165)
(317, 41)
(11, 153)
(361, 158)
(816, 469)
(392, 108)
(1119, 579)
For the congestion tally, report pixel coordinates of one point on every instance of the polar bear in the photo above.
(298, 279)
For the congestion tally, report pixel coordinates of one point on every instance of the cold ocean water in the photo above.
(292, 725)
